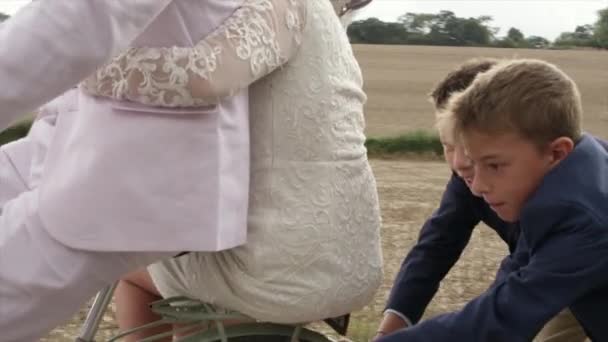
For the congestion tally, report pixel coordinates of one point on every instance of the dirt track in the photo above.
(409, 192)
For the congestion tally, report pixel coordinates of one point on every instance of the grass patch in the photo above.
(417, 143)
(361, 331)
(414, 144)
(17, 131)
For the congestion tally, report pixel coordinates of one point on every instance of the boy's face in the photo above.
(454, 154)
(456, 158)
(507, 170)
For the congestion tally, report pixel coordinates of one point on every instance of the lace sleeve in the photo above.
(258, 38)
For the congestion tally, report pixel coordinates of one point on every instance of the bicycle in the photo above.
(191, 313)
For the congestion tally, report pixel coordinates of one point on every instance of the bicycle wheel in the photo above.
(257, 332)
(265, 338)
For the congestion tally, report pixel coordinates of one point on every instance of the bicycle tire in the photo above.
(258, 332)
(264, 338)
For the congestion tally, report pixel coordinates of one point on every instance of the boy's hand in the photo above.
(390, 323)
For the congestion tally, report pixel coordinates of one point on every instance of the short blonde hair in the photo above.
(444, 123)
(528, 97)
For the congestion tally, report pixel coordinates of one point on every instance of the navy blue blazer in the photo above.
(560, 261)
(441, 242)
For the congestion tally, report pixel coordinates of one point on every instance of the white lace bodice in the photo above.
(314, 217)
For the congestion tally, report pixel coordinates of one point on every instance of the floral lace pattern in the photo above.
(258, 38)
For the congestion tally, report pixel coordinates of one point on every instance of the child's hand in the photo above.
(390, 323)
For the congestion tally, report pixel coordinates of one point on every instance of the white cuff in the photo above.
(402, 316)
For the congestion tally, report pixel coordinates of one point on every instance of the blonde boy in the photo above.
(520, 124)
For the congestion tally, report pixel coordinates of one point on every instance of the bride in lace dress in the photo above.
(313, 247)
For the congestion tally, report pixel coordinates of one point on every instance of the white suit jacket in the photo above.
(120, 176)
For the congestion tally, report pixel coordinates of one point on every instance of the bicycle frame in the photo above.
(104, 297)
(95, 314)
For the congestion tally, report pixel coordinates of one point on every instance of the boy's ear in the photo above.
(560, 148)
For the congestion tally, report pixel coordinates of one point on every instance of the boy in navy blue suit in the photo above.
(447, 232)
(520, 123)
(445, 235)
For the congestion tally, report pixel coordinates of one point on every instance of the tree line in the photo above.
(445, 28)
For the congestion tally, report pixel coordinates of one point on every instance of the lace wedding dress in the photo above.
(313, 247)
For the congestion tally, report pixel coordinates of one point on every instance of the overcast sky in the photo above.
(546, 18)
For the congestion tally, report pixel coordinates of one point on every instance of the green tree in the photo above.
(583, 32)
(565, 39)
(375, 31)
(514, 39)
(505, 43)
(515, 35)
(476, 33)
(416, 22)
(583, 35)
(445, 28)
(600, 29)
(537, 42)
(3, 17)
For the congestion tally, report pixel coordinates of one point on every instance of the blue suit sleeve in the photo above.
(441, 242)
(567, 262)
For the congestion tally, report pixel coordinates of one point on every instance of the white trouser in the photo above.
(43, 282)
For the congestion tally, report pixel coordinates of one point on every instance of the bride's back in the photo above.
(313, 219)
(313, 105)
(313, 244)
